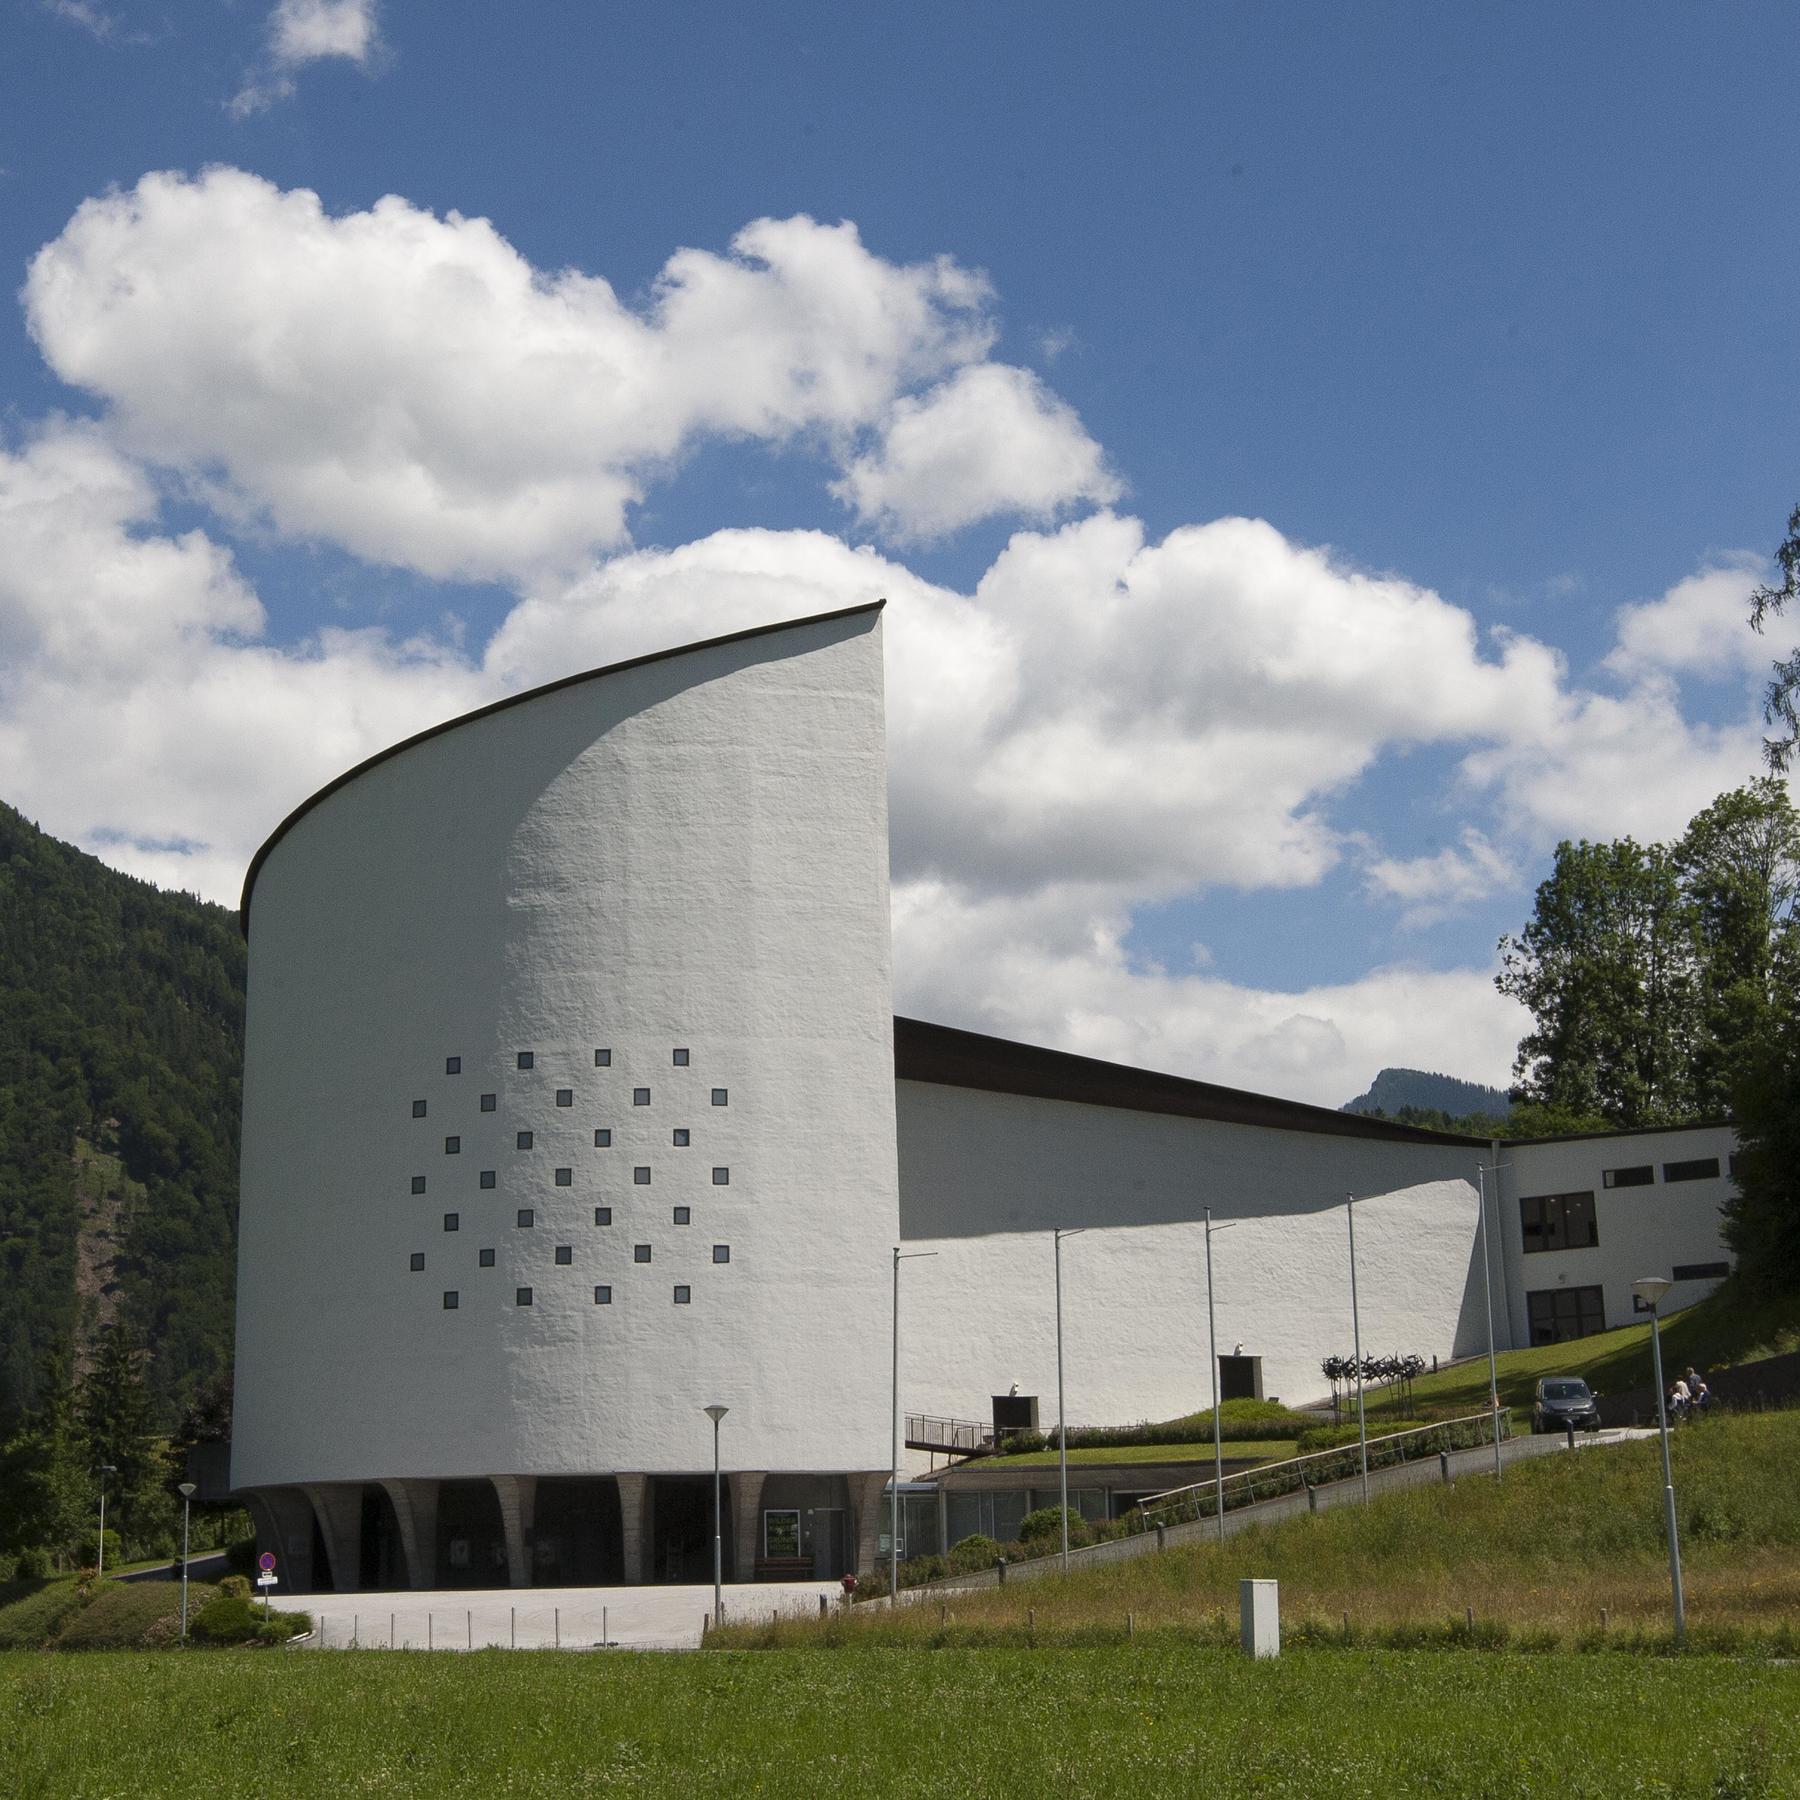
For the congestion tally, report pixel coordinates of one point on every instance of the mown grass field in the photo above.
(1236, 1450)
(1535, 1556)
(1138, 1720)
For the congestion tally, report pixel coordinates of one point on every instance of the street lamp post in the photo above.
(186, 1490)
(1062, 1413)
(106, 1469)
(1362, 1417)
(716, 1412)
(900, 1256)
(1487, 1295)
(1650, 1290)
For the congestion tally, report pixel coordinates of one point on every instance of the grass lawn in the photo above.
(1243, 1450)
(1145, 1719)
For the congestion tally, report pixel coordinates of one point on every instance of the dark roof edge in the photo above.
(951, 1057)
(1622, 1131)
(519, 699)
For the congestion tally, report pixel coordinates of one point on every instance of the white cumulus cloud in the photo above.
(303, 31)
(1431, 886)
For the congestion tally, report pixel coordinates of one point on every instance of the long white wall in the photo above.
(686, 854)
(985, 1176)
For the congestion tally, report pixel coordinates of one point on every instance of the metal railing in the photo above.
(955, 1437)
(1202, 1499)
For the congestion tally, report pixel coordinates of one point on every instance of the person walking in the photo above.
(1678, 1398)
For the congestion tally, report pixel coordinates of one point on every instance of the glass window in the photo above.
(602, 1138)
(526, 1059)
(565, 1096)
(682, 1296)
(565, 1177)
(486, 1259)
(1558, 1222)
(1559, 1314)
(640, 1177)
(526, 1216)
(565, 1253)
(452, 1065)
(523, 1140)
(721, 1178)
(721, 1097)
(521, 1296)
(453, 1146)
(602, 1059)
(450, 1300)
(682, 1215)
(681, 1059)
(1642, 1175)
(1713, 1271)
(603, 1296)
(640, 1252)
(640, 1096)
(489, 1102)
(452, 1222)
(721, 1253)
(602, 1215)
(487, 1178)
(418, 1109)
(781, 1532)
(418, 1184)
(417, 1261)
(1703, 1168)
(681, 1138)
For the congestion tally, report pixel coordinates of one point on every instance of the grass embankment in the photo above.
(1536, 1556)
(1236, 1450)
(1136, 1720)
(68, 1614)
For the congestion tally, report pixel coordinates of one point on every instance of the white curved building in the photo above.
(574, 1103)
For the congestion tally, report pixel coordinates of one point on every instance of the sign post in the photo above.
(268, 1578)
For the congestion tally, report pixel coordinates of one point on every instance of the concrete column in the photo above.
(746, 1519)
(284, 1524)
(518, 1502)
(634, 1526)
(415, 1506)
(339, 1507)
(868, 1512)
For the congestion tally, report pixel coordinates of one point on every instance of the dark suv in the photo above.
(1563, 1401)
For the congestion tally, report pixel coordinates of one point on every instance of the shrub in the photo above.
(233, 1619)
(236, 1587)
(35, 1564)
(972, 1553)
(1335, 1437)
(1039, 1529)
(240, 1556)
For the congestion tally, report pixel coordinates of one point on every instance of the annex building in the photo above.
(574, 1103)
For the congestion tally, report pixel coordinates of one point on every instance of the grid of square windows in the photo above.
(602, 1059)
(640, 1252)
(418, 1109)
(527, 1059)
(721, 1097)
(602, 1137)
(682, 1295)
(721, 1253)
(603, 1296)
(565, 1253)
(681, 1138)
(452, 1065)
(640, 1096)
(526, 1216)
(721, 1178)
(417, 1261)
(487, 1178)
(521, 1296)
(1558, 1222)
(640, 1176)
(486, 1259)
(418, 1184)
(450, 1300)
(522, 1141)
(565, 1177)
(682, 1215)
(452, 1221)
(489, 1102)
(565, 1096)
(602, 1215)
(681, 1059)
(453, 1146)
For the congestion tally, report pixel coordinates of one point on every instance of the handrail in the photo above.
(1204, 1499)
(963, 1436)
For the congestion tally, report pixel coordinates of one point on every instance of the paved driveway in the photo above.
(628, 1618)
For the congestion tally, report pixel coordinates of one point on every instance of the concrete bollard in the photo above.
(469, 1629)
(824, 1606)
(1259, 1618)
(1312, 1498)
(1162, 1537)
(1000, 1565)
(1571, 1437)
(1444, 1466)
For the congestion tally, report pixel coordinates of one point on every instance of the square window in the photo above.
(452, 1065)
(602, 1138)
(681, 1138)
(721, 1178)
(682, 1296)
(527, 1059)
(418, 1184)
(640, 1096)
(450, 1301)
(640, 1177)
(640, 1252)
(521, 1296)
(721, 1097)
(526, 1216)
(523, 1140)
(681, 1059)
(603, 1296)
(565, 1177)
(417, 1261)
(602, 1215)
(453, 1146)
(721, 1253)
(682, 1215)
(565, 1096)
(489, 1102)
(452, 1221)
(602, 1059)
(418, 1109)
(486, 1259)
(565, 1253)
(487, 1178)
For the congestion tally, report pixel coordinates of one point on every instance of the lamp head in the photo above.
(1650, 1289)
(108, 1469)
(186, 1490)
(716, 1412)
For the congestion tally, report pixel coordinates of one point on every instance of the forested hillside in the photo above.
(121, 1039)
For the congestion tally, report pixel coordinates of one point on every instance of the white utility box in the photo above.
(1259, 1612)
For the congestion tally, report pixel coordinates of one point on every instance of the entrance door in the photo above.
(830, 1543)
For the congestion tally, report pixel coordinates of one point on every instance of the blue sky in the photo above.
(1482, 310)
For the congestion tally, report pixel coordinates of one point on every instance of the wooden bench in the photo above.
(783, 1568)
